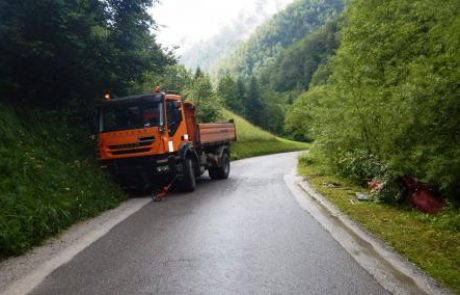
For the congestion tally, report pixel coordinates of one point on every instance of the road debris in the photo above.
(363, 197)
(330, 185)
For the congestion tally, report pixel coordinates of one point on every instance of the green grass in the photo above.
(48, 179)
(431, 242)
(253, 141)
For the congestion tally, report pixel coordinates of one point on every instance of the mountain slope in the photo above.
(206, 53)
(292, 24)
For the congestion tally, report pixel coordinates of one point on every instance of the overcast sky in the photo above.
(186, 22)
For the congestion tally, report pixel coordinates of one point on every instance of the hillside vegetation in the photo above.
(375, 86)
(278, 61)
(48, 179)
(390, 105)
(292, 24)
(253, 141)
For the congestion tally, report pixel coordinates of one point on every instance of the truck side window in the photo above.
(174, 117)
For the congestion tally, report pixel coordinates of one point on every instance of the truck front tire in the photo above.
(188, 182)
(222, 171)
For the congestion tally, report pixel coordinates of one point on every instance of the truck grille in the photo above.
(136, 147)
(129, 145)
(123, 152)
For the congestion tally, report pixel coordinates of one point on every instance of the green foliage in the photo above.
(202, 94)
(300, 117)
(231, 94)
(254, 107)
(174, 78)
(393, 90)
(290, 25)
(360, 167)
(300, 65)
(47, 181)
(295, 67)
(283, 56)
(54, 52)
(390, 193)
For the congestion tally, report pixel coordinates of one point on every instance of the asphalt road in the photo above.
(243, 235)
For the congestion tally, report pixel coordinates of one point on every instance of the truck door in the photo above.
(176, 125)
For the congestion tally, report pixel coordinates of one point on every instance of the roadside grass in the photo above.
(431, 242)
(253, 141)
(48, 179)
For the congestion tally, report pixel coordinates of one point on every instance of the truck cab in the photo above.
(148, 140)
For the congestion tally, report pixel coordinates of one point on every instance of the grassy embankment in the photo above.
(48, 179)
(253, 141)
(431, 242)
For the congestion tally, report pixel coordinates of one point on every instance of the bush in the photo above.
(360, 167)
(391, 192)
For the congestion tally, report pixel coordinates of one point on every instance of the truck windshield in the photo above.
(132, 116)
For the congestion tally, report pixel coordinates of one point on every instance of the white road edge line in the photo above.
(392, 271)
(34, 278)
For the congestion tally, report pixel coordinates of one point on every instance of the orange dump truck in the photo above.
(147, 141)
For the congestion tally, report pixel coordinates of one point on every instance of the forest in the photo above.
(374, 86)
(279, 60)
(65, 54)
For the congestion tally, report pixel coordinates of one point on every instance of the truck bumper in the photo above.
(141, 173)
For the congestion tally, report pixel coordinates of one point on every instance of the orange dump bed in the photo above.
(214, 133)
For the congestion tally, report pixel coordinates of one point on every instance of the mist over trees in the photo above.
(265, 45)
(282, 55)
(207, 53)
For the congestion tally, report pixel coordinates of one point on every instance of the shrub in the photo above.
(360, 167)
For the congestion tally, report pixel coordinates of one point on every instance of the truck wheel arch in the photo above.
(187, 151)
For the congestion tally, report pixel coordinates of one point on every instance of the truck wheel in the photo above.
(221, 172)
(188, 182)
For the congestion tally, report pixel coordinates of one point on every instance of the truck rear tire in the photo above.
(188, 183)
(222, 171)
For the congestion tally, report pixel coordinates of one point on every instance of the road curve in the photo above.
(244, 235)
